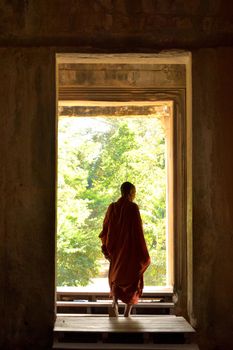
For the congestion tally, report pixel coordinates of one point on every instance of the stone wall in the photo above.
(27, 163)
(27, 147)
(122, 75)
(213, 196)
(117, 24)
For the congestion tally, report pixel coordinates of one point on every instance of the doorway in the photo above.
(99, 147)
(84, 81)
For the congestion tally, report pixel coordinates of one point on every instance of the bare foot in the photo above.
(113, 311)
(128, 309)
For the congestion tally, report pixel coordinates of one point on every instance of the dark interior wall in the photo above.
(27, 163)
(117, 24)
(27, 146)
(213, 196)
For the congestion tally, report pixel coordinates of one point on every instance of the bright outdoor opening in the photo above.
(96, 155)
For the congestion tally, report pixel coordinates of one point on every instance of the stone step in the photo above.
(104, 303)
(100, 332)
(91, 294)
(133, 324)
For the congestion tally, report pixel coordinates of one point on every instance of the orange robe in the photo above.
(123, 243)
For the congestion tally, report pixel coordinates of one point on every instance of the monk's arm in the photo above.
(140, 236)
(104, 232)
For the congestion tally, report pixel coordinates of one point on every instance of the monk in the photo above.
(123, 244)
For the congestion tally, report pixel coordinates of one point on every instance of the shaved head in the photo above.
(126, 188)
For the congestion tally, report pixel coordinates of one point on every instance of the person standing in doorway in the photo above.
(123, 244)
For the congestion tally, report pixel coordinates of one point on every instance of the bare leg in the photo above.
(113, 311)
(128, 308)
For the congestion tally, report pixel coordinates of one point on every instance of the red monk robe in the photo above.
(124, 245)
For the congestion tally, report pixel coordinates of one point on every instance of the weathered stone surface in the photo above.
(128, 24)
(213, 196)
(27, 162)
(160, 111)
(122, 75)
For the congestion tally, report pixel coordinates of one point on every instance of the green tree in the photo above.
(77, 247)
(90, 173)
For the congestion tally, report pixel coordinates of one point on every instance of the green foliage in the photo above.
(93, 162)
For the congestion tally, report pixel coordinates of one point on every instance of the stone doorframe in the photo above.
(182, 152)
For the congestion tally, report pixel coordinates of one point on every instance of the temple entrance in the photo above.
(132, 122)
(101, 145)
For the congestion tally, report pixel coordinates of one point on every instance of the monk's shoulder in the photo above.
(134, 206)
(110, 208)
